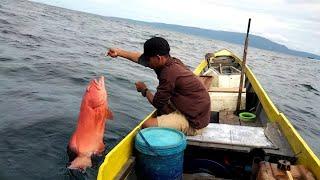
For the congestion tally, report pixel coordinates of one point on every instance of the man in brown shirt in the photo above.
(180, 96)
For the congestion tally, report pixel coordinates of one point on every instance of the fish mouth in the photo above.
(99, 83)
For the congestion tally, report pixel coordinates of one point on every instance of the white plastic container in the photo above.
(226, 101)
(228, 78)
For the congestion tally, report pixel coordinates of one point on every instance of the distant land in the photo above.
(231, 37)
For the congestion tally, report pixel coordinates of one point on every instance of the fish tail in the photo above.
(81, 162)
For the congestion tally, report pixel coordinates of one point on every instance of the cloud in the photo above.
(303, 1)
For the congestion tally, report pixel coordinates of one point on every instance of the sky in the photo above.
(294, 23)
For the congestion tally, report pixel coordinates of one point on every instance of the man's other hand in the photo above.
(140, 86)
(113, 52)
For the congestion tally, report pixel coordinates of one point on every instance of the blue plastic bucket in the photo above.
(160, 153)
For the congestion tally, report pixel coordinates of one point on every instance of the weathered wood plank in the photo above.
(227, 117)
(226, 90)
(256, 123)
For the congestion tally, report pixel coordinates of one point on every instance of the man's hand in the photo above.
(117, 52)
(113, 52)
(140, 86)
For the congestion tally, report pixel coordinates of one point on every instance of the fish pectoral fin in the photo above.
(109, 114)
(81, 162)
(101, 148)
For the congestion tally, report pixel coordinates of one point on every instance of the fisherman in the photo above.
(181, 98)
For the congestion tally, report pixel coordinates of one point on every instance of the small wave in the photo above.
(2, 21)
(23, 69)
(37, 57)
(33, 37)
(309, 87)
(27, 59)
(82, 80)
(121, 79)
(10, 14)
(128, 26)
(20, 93)
(305, 111)
(8, 32)
(49, 99)
(6, 59)
(33, 45)
(33, 57)
(51, 72)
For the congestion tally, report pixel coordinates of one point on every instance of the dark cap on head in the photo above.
(154, 46)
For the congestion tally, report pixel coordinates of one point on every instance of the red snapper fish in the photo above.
(87, 140)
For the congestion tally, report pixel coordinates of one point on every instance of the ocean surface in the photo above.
(49, 54)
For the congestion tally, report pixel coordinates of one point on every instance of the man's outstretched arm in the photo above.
(130, 55)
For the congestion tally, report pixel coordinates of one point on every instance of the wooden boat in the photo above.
(286, 142)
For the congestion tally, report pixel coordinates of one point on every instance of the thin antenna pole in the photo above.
(243, 66)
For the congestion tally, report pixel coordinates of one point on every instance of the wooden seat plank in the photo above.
(226, 90)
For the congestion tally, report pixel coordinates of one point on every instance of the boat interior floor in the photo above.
(228, 117)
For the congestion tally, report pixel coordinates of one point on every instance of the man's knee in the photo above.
(152, 122)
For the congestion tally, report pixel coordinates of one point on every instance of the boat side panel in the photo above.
(119, 155)
(299, 146)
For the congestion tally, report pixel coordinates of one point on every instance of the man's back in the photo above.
(186, 92)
